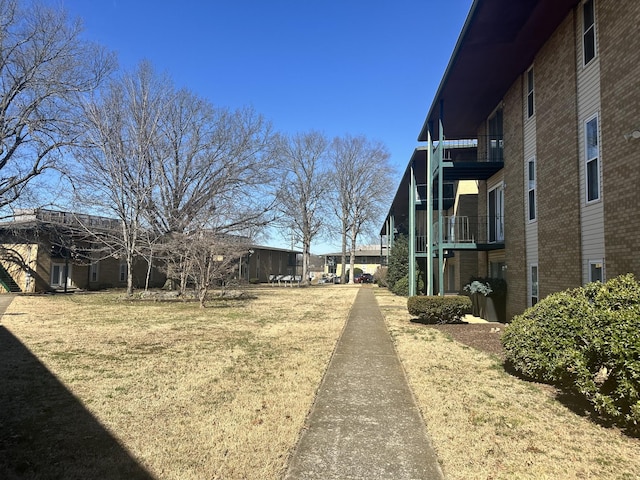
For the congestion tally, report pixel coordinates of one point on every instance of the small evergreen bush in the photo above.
(401, 286)
(435, 309)
(588, 340)
(398, 261)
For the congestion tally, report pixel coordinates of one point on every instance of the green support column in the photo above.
(412, 234)
(440, 214)
(429, 272)
(389, 226)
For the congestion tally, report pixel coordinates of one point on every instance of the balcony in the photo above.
(466, 233)
(476, 159)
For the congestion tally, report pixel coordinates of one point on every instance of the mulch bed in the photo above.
(481, 336)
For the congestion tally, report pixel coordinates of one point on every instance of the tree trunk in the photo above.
(306, 248)
(129, 277)
(202, 295)
(343, 260)
(352, 258)
(149, 267)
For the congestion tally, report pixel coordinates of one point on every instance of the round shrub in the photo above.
(588, 340)
(436, 309)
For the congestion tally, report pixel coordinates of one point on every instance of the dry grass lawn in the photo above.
(487, 424)
(183, 393)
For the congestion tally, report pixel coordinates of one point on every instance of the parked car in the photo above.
(364, 278)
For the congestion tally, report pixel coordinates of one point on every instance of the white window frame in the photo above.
(534, 286)
(589, 32)
(588, 160)
(499, 213)
(532, 190)
(531, 109)
(592, 263)
(60, 280)
(495, 137)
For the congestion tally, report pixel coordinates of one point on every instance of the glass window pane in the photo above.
(595, 273)
(589, 31)
(532, 204)
(530, 93)
(592, 138)
(593, 187)
(492, 216)
(532, 174)
(55, 275)
(589, 16)
(589, 46)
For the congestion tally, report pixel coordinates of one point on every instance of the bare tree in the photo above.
(165, 163)
(362, 182)
(212, 173)
(301, 197)
(45, 69)
(115, 174)
(212, 168)
(213, 259)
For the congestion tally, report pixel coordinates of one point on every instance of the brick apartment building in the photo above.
(531, 169)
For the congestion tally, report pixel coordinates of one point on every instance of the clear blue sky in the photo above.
(337, 66)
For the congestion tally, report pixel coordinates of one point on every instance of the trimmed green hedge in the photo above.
(434, 309)
(588, 340)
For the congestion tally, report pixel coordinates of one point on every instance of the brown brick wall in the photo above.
(515, 254)
(619, 52)
(483, 264)
(559, 234)
(467, 261)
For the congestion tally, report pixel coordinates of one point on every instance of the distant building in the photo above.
(45, 250)
(260, 262)
(368, 259)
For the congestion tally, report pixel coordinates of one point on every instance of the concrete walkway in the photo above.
(364, 423)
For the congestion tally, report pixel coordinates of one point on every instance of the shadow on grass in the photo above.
(424, 321)
(576, 403)
(45, 432)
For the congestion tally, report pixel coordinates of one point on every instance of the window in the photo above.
(530, 110)
(531, 186)
(592, 164)
(495, 209)
(93, 272)
(60, 275)
(534, 284)
(589, 31)
(123, 272)
(495, 140)
(596, 271)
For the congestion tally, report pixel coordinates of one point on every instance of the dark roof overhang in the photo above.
(400, 203)
(498, 42)
(471, 170)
